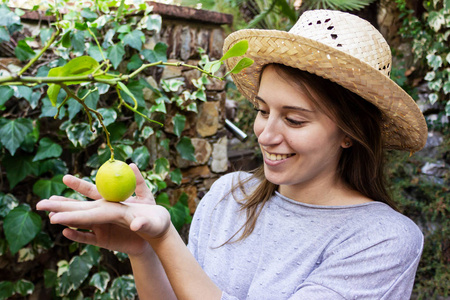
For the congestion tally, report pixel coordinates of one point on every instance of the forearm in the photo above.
(186, 277)
(150, 278)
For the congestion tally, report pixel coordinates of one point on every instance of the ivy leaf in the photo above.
(44, 188)
(447, 109)
(154, 22)
(179, 122)
(4, 35)
(50, 278)
(7, 203)
(134, 39)
(18, 167)
(100, 280)
(176, 176)
(21, 225)
(13, 133)
(79, 134)
(24, 92)
(159, 53)
(89, 14)
(24, 287)
(5, 94)
(115, 54)
(436, 20)
(134, 63)
(109, 115)
(23, 51)
(79, 268)
(434, 61)
(141, 157)
(47, 148)
(446, 87)
(186, 149)
(77, 40)
(55, 166)
(123, 287)
(6, 289)
(162, 167)
(8, 18)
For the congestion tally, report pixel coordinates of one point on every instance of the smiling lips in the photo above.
(277, 157)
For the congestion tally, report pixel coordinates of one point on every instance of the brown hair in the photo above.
(361, 166)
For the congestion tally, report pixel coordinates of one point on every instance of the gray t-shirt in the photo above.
(301, 251)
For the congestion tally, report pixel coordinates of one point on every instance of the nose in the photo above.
(268, 131)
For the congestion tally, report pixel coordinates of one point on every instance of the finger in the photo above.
(142, 190)
(87, 218)
(58, 204)
(84, 237)
(82, 186)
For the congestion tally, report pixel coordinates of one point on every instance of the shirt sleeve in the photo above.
(377, 266)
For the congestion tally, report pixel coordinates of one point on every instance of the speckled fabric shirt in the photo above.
(299, 251)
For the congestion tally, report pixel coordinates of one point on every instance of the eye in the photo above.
(294, 122)
(262, 112)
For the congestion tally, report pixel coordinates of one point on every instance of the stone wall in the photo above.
(184, 30)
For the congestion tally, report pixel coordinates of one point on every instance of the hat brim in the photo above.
(404, 126)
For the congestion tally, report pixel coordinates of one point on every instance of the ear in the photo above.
(347, 142)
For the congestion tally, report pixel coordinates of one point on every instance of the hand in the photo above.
(115, 226)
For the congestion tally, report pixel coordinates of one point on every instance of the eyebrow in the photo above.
(289, 107)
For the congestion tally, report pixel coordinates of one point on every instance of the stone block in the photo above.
(208, 119)
(216, 43)
(219, 162)
(171, 71)
(202, 154)
(191, 174)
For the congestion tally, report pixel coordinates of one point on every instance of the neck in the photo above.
(328, 192)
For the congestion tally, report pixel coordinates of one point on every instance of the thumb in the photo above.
(142, 190)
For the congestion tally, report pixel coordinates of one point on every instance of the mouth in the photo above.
(277, 157)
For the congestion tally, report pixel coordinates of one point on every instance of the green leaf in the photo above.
(7, 203)
(8, 18)
(162, 167)
(433, 97)
(44, 188)
(238, 49)
(24, 92)
(47, 148)
(4, 35)
(124, 88)
(80, 134)
(179, 122)
(159, 53)
(186, 149)
(176, 176)
(434, 61)
(134, 39)
(100, 280)
(95, 53)
(45, 34)
(134, 63)
(447, 109)
(50, 278)
(79, 268)
(141, 157)
(24, 287)
(6, 289)
(79, 66)
(23, 51)
(115, 54)
(123, 287)
(31, 139)
(242, 64)
(21, 225)
(436, 20)
(446, 87)
(89, 14)
(77, 40)
(18, 167)
(13, 133)
(109, 115)
(154, 22)
(179, 215)
(5, 94)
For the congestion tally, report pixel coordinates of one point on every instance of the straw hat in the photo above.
(342, 48)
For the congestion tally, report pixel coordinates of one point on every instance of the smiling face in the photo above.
(301, 145)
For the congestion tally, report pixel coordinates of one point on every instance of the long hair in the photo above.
(361, 166)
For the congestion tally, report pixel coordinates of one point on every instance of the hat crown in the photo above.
(347, 33)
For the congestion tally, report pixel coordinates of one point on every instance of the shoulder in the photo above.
(379, 228)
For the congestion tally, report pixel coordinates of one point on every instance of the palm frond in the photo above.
(345, 5)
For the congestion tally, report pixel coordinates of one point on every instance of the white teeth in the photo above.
(276, 157)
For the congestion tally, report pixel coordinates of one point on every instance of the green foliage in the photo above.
(71, 113)
(429, 35)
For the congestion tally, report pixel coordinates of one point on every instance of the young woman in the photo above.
(315, 222)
